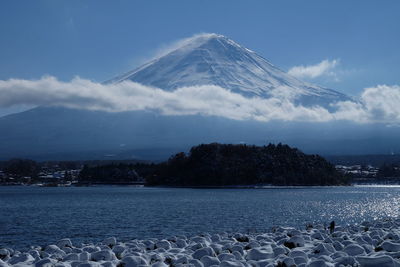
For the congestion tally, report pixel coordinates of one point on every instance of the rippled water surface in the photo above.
(37, 216)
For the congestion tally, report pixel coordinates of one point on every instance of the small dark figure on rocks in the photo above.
(332, 227)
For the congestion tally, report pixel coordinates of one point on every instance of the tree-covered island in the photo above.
(227, 165)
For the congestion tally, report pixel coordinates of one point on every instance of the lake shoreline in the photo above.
(367, 244)
(203, 187)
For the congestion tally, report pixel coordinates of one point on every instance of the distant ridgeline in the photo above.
(225, 164)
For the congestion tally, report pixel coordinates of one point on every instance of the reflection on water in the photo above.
(31, 215)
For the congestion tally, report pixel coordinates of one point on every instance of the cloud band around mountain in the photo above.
(324, 68)
(377, 104)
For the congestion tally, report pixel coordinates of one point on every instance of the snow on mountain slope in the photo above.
(212, 59)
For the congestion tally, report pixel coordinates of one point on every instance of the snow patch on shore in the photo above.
(368, 244)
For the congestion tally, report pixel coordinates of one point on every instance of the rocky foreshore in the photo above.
(368, 244)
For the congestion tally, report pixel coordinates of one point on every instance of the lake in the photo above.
(39, 216)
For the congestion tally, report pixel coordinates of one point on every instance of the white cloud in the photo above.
(377, 104)
(324, 68)
(128, 96)
(382, 102)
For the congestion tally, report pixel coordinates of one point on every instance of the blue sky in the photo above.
(99, 39)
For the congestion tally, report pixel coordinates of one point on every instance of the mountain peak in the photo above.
(214, 59)
(204, 41)
(202, 38)
(205, 37)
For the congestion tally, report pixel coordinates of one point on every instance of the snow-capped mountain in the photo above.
(66, 133)
(212, 59)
